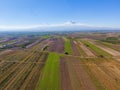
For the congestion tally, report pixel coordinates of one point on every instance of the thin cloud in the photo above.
(66, 25)
(41, 25)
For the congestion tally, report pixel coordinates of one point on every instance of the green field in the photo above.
(50, 79)
(68, 48)
(97, 50)
(110, 45)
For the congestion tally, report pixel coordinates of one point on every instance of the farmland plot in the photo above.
(106, 71)
(107, 49)
(14, 78)
(50, 79)
(86, 50)
(68, 48)
(57, 45)
(112, 46)
(18, 70)
(65, 77)
(75, 48)
(98, 51)
(80, 80)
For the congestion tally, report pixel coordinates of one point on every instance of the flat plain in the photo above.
(84, 61)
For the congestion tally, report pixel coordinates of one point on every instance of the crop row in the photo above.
(95, 49)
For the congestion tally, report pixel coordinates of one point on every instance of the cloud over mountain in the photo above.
(70, 25)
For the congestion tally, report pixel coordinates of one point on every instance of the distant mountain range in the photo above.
(71, 25)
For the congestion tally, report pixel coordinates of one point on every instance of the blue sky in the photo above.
(34, 12)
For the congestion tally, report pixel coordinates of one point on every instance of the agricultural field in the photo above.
(67, 61)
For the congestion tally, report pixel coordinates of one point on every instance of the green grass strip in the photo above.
(50, 79)
(108, 45)
(96, 49)
(68, 47)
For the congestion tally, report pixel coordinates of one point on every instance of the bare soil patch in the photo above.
(87, 51)
(65, 78)
(75, 48)
(83, 80)
(57, 45)
(104, 76)
(109, 50)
